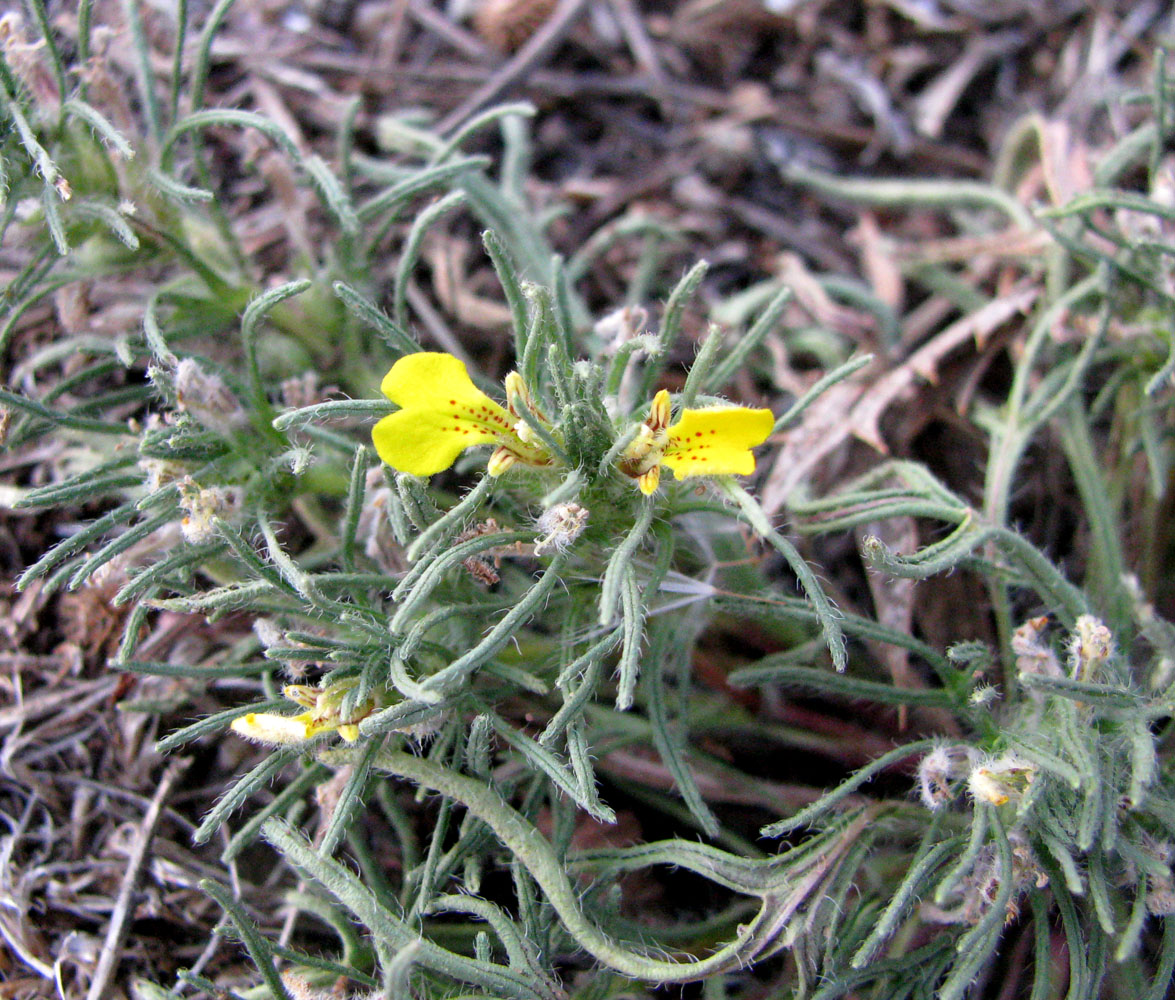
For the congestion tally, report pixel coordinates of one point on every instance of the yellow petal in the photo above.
(501, 459)
(417, 381)
(659, 412)
(278, 729)
(303, 694)
(441, 414)
(422, 443)
(716, 442)
(650, 480)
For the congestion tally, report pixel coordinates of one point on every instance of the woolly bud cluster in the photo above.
(204, 505)
(207, 398)
(268, 633)
(160, 472)
(980, 888)
(1160, 885)
(379, 545)
(1033, 654)
(1091, 645)
(559, 526)
(985, 695)
(984, 882)
(940, 771)
(27, 62)
(301, 390)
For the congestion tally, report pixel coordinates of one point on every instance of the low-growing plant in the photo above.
(468, 601)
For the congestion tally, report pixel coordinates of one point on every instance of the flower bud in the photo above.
(159, 472)
(500, 460)
(984, 695)
(268, 633)
(301, 391)
(983, 884)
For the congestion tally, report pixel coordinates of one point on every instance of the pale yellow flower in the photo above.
(323, 716)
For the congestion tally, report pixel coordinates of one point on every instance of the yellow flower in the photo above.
(324, 716)
(711, 442)
(442, 413)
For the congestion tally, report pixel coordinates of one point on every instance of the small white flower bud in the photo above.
(28, 209)
(301, 391)
(1160, 886)
(622, 325)
(984, 695)
(379, 545)
(981, 887)
(419, 732)
(1163, 674)
(1160, 900)
(300, 460)
(160, 472)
